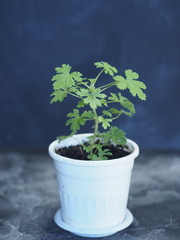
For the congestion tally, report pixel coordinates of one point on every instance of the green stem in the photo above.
(99, 74)
(92, 84)
(96, 125)
(112, 102)
(116, 116)
(107, 85)
(82, 83)
(89, 119)
(95, 129)
(74, 95)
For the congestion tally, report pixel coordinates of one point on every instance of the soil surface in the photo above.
(77, 152)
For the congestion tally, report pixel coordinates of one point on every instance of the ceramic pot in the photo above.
(93, 194)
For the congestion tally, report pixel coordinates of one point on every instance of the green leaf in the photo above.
(88, 114)
(65, 68)
(92, 97)
(123, 101)
(126, 103)
(104, 102)
(114, 98)
(114, 111)
(129, 114)
(72, 89)
(98, 152)
(130, 75)
(58, 96)
(81, 104)
(114, 135)
(108, 69)
(77, 76)
(64, 79)
(121, 82)
(100, 155)
(107, 113)
(75, 121)
(135, 87)
(105, 121)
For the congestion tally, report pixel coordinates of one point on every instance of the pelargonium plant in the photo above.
(102, 110)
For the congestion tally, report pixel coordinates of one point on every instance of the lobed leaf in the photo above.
(107, 113)
(121, 82)
(64, 79)
(108, 69)
(114, 135)
(114, 111)
(92, 97)
(123, 101)
(81, 104)
(105, 121)
(135, 87)
(58, 96)
(75, 121)
(88, 114)
(65, 68)
(98, 152)
(77, 76)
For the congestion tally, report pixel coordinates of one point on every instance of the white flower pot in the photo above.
(93, 194)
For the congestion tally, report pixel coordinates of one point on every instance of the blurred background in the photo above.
(39, 35)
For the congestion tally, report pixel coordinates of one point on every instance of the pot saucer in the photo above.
(93, 232)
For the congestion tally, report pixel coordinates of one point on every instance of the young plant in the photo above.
(101, 110)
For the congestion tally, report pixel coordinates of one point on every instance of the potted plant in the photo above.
(94, 170)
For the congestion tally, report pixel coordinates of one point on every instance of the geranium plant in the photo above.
(101, 110)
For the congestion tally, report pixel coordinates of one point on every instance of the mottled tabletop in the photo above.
(29, 198)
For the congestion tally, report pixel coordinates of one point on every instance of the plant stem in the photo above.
(116, 116)
(96, 125)
(111, 102)
(99, 74)
(96, 121)
(107, 86)
(74, 95)
(82, 83)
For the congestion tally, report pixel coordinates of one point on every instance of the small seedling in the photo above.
(101, 110)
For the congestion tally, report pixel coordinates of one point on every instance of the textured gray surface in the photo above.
(29, 199)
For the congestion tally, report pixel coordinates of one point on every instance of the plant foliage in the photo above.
(101, 110)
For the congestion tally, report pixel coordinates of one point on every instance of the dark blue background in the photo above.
(38, 35)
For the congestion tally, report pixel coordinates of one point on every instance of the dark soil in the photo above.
(77, 152)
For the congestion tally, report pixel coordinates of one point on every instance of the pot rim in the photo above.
(91, 163)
